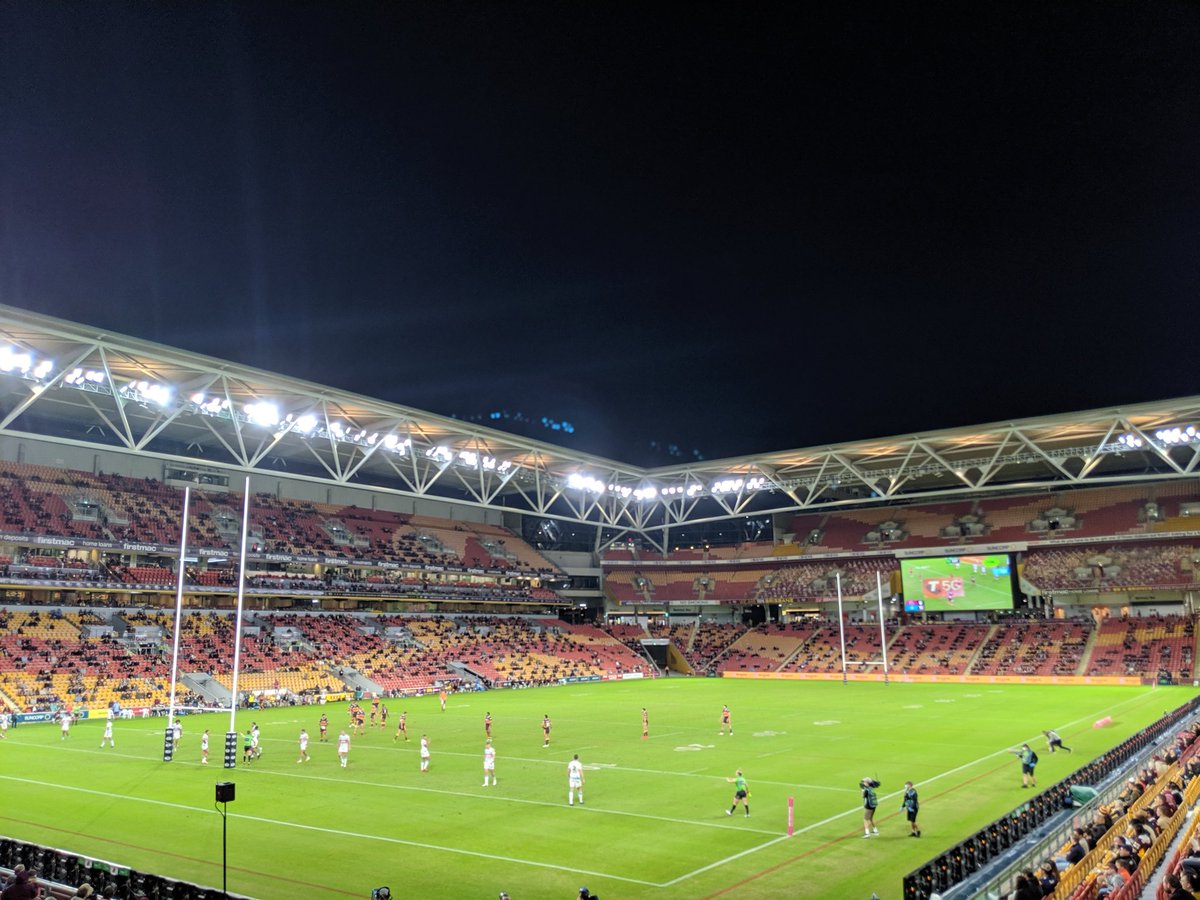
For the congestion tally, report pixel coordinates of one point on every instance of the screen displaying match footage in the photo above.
(940, 584)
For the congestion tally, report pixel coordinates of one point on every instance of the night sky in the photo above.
(730, 230)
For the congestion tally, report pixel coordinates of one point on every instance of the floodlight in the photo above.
(157, 393)
(197, 398)
(11, 358)
(42, 369)
(489, 463)
(337, 429)
(262, 413)
(468, 457)
(585, 483)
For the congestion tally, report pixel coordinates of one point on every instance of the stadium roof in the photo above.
(72, 384)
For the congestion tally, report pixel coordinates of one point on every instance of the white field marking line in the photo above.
(858, 809)
(336, 831)
(557, 762)
(699, 823)
(721, 862)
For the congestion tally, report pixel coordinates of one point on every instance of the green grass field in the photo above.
(654, 825)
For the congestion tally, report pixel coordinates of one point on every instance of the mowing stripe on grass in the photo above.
(615, 768)
(307, 883)
(858, 809)
(832, 842)
(594, 810)
(722, 862)
(336, 831)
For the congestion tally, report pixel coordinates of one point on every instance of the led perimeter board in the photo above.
(945, 583)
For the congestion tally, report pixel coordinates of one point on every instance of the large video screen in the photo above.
(940, 584)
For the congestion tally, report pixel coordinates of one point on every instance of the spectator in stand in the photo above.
(1174, 889)
(1113, 879)
(1027, 887)
(1079, 847)
(1048, 878)
(23, 886)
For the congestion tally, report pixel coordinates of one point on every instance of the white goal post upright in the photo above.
(882, 630)
(841, 625)
(237, 621)
(183, 535)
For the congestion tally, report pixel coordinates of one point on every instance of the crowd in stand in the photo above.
(45, 657)
(1107, 853)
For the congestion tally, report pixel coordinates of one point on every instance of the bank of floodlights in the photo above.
(582, 482)
(148, 393)
(262, 412)
(739, 485)
(80, 377)
(1177, 435)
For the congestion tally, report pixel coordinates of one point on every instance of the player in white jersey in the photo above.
(489, 763)
(178, 729)
(66, 725)
(255, 749)
(108, 735)
(574, 781)
(3, 726)
(304, 757)
(424, 753)
(343, 748)
(204, 747)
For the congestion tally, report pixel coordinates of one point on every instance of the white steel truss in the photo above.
(64, 382)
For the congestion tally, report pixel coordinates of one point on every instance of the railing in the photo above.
(67, 868)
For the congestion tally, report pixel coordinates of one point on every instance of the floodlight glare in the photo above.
(11, 358)
(42, 369)
(337, 429)
(156, 393)
(262, 413)
(585, 483)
